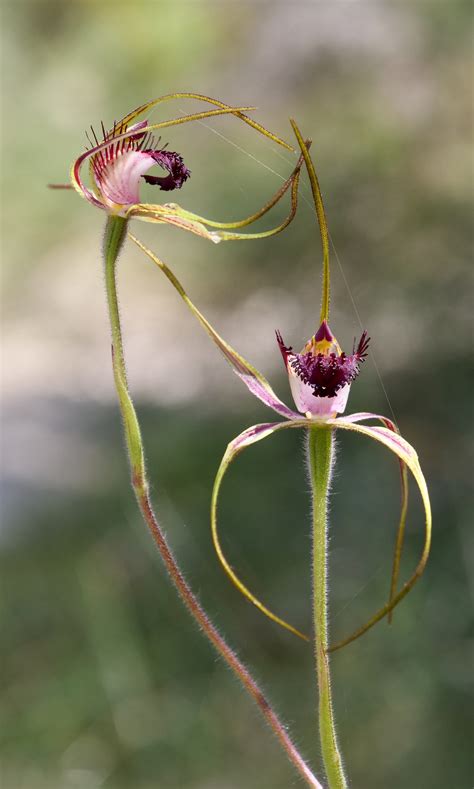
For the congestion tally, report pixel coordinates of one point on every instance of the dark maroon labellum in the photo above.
(178, 173)
(326, 373)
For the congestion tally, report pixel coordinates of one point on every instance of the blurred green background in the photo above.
(106, 682)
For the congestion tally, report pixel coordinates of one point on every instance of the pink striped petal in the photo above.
(119, 183)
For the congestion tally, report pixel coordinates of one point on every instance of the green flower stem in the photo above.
(114, 236)
(320, 453)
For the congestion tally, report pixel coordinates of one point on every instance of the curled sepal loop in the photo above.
(403, 504)
(384, 435)
(409, 458)
(258, 214)
(208, 100)
(236, 446)
(174, 214)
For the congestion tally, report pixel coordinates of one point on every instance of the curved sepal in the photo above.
(397, 555)
(215, 102)
(252, 378)
(321, 217)
(384, 435)
(408, 456)
(249, 436)
(75, 172)
(222, 228)
(171, 214)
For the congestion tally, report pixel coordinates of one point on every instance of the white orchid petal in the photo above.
(120, 179)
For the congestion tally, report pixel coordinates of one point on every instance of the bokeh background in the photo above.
(106, 682)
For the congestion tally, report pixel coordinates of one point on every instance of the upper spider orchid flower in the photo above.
(122, 158)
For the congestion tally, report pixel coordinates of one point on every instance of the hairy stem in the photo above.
(320, 454)
(114, 236)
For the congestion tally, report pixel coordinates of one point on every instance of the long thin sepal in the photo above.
(252, 378)
(292, 181)
(227, 236)
(397, 554)
(363, 416)
(233, 449)
(409, 457)
(321, 215)
(173, 214)
(199, 97)
(253, 217)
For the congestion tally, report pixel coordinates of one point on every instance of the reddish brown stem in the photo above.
(195, 608)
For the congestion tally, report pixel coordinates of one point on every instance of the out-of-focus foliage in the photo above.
(105, 681)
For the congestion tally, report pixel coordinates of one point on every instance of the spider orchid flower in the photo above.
(320, 378)
(122, 158)
(321, 375)
(118, 167)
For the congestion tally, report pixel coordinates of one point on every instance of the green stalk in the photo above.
(113, 240)
(320, 455)
(114, 236)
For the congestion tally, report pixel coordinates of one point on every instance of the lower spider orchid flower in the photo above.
(122, 158)
(320, 379)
